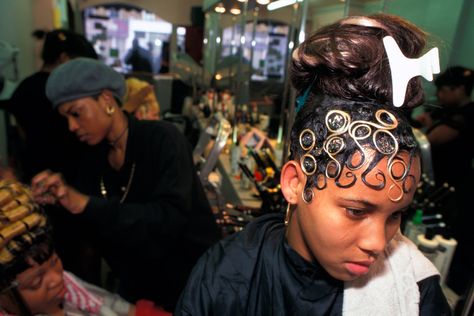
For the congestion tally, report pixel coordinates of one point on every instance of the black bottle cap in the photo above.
(430, 233)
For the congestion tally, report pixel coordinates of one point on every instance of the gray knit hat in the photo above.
(83, 77)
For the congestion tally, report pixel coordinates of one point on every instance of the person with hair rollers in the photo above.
(353, 169)
(32, 278)
(137, 188)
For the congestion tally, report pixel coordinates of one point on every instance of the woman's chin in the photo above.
(92, 142)
(344, 275)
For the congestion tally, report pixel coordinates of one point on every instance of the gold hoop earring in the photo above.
(110, 110)
(288, 214)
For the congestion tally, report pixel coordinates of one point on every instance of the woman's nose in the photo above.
(73, 126)
(374, 239)
(55, 278)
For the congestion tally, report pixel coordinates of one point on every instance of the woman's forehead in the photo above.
(69, 105)
(34, 270)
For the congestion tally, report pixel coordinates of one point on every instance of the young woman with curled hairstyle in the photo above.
(353, 170)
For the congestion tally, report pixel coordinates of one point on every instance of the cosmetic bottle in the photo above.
(447, 247)
(415, 227)
(247, 175)
(235, 154)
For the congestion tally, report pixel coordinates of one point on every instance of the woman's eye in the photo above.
(396, 215)
(355, 213)
(36, 284)
(75, 114)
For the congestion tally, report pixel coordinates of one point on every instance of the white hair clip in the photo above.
(403, 68)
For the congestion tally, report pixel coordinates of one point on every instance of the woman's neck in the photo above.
(49, 67)
(117, 139)
(294, 236)
(118, 135)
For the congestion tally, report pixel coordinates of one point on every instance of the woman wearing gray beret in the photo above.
(137, 187)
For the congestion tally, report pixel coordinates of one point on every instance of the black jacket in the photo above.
(152, 239)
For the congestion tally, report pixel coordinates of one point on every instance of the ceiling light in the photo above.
(235, 10)
(279, 4)
(263, 2)
(181, 31)
(301, 37)
(219, 8)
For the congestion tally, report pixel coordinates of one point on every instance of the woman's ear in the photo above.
(292, 181)
(107, 102)
(107, 97)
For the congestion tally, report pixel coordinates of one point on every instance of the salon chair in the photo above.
(224, 129)
(205, 139)
(215, 136)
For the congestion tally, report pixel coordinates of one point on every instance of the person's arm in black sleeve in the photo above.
(166, 212)
(432, 300)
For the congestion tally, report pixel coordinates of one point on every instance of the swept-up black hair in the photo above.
(346, 68)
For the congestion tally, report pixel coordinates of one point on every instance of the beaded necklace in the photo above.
(103, 190)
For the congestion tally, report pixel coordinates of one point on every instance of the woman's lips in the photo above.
(358, 268)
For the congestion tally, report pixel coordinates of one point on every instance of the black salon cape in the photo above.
(153, 239)
(255, 272)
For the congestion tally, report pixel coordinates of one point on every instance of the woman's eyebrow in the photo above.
(71, 109)
(361, 201)
(30, 281)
